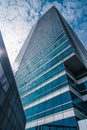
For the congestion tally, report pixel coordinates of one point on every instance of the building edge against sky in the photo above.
(11, 111)
(51, 75)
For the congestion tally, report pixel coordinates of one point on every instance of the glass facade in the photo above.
(11, 111)
(50, 84)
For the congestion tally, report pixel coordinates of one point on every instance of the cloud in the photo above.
(82, 32)
(17, 18)
(75, 12)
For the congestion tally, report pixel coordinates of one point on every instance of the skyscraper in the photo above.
(51, 75)
(11, 111)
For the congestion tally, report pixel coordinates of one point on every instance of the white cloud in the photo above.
(15, 23)
(17, 18)
(75, 12)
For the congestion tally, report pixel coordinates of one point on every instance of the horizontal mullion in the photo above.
(45, 76)
(48, 51)
(51, 118)
(54, 110)
(49, 96)
(63, 45)
(54, 89)
(58, 37)
(53, 61)
(42, 57)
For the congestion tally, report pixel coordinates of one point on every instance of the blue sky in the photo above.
(18, 16)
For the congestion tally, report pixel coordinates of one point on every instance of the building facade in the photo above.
(11, 111)
(51, 75)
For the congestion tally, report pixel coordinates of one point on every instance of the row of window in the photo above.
(78, 87)
(54, 126)
(30, 70)
(55, 110)
(82, 87)
(43, 60)
(53, 62)
(49, 112)
(79, 104)
(48, 127)
(46, 108)
(53, 48)
(49, 104)
(64, 124)
(26, 100)
(43, 78)
(24, 59)
(72, 83)
(45, 90)
(47, 49)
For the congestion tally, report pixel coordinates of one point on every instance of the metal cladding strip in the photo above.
(82, 80)
(54, 94)
(45, 83)
(77, 81)
(58, 35)
(53, 49)
(46, 63)
(27, 93)
(60, 91)
(54, 117)
(49, 109)
(75, 92)
(18, 80)
(16, 65)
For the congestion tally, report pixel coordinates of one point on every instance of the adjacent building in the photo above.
(11, 111)
(51, 75)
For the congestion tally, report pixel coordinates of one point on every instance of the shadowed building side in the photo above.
(11, 111)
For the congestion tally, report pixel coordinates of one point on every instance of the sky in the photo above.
(18, 16)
